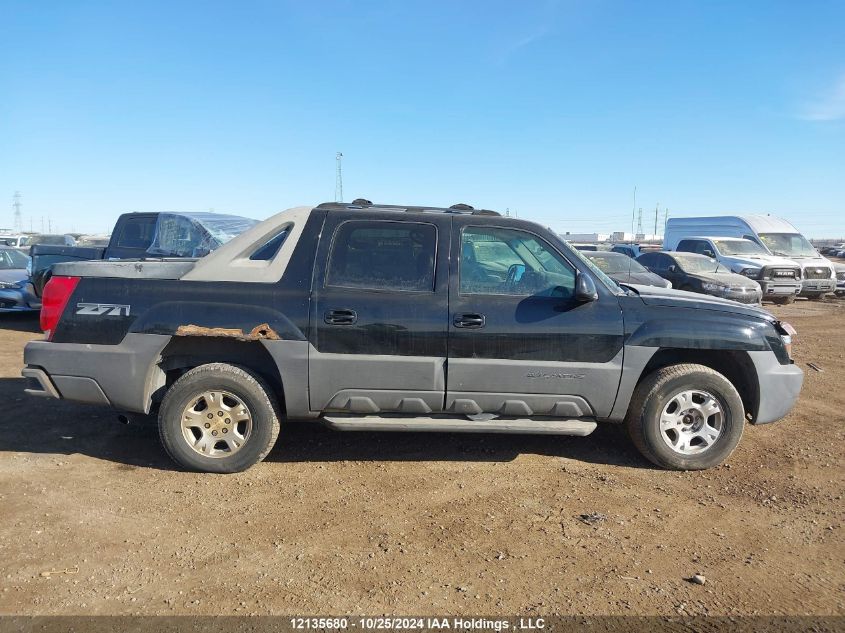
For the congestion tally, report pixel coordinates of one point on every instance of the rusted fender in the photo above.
(262, 332)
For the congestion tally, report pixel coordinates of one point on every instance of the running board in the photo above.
(545, 426)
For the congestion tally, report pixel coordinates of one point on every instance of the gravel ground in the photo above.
(96, 521)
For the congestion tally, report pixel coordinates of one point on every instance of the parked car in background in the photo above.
(634, 250)
(699, 273)
(774, 234)
(831, 250)
(145, 236)
(15, 241)
(16, 291)
(51, 239)
(779, 278)
(840, 279)
(623, 269)
(93, 240)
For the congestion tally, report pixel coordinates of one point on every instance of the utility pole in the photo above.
(634, 209)
(17, 204)
(655, 218)
(338, 183)
(639, 223)
(665, 219)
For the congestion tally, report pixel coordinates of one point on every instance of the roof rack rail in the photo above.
(462, 207)
(485, 212)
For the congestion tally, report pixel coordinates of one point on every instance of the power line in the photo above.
(17, 204)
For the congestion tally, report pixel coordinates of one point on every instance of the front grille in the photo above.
(841, 276)
(816, 273)
(781, 273)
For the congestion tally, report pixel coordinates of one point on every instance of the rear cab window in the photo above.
(136, 233)
(383, 255)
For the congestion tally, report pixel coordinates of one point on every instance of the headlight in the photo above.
(17, 285)
(714, 287)
(786, 337)
(751, 273)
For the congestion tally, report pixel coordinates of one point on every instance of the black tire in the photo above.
(815, 296)
(657, 390)
(246, 386)
(782, 301)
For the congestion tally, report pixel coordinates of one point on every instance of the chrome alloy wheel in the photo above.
(691, 422)
(216, 424)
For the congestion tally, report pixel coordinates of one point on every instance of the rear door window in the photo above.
(136, 233)
(383, 255)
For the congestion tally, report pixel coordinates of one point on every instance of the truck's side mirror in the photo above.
(585, 289)
(708, 253)
(672, 268)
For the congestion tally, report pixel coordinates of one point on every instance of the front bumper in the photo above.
(780, 287)
(813, 286)
(780, 386)
(19, 300)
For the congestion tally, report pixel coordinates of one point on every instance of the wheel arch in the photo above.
(184, 353)
(735, 365)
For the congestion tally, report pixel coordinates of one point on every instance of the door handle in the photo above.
(471, 320)
(341, 317)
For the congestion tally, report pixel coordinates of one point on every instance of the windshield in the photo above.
(607, 281)
(739, 247)
(788, 244)
(699, 264)
(611, 263)
(11, 259)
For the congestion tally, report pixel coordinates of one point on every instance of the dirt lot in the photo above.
(433, 524)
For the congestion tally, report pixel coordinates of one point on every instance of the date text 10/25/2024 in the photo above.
(417, 623)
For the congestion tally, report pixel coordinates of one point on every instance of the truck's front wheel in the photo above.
(218, 418)
(686, 417)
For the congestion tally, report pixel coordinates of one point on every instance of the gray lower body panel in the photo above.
(123, 375)
(522, 387)
(470, 403)
(780, 386)
(636, 359)
(291, 357)
(337, 380)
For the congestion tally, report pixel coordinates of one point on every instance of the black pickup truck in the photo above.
(377, 317)
(144, 235)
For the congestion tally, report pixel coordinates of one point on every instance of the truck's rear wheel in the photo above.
(218, 418)
(782, 301)
(686, 417)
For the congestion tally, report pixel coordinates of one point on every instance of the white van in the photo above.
(779, 277)
(775, 235)
(17, 241)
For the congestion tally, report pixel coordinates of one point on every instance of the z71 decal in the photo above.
(102, 309)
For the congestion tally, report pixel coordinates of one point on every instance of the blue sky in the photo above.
(555, 110)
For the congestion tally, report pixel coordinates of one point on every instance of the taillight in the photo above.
(54, 298)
